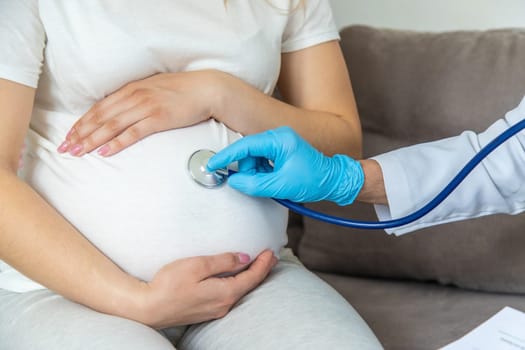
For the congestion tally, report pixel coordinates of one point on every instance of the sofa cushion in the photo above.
(413, 87)
(413, 315)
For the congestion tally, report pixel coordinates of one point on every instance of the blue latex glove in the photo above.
(300, 173)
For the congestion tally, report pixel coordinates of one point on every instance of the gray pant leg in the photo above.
(44, 320)
(293, 309)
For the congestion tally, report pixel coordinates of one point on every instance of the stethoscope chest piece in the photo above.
(198, 172)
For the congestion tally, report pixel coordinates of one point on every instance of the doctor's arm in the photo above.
(397, 182)
(496, 186)
(373, 190)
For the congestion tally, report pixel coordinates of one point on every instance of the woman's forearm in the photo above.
(35, 239)
(253, 112)
(41, 244)
(320, 103)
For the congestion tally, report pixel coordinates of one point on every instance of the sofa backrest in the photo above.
(413, 87)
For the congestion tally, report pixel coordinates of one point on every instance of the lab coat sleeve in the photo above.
(414, 175)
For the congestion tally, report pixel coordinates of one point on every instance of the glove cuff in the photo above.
(349, 182)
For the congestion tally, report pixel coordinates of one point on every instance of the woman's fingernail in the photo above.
(243, 258)
(103, 150)
(63, 147)
(76, 149)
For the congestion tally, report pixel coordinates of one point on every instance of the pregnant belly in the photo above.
(142, 209)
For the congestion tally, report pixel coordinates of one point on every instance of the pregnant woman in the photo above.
(105, 241)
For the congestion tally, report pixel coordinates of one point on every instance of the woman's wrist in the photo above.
(212, 90)
(220, 97)
(128, 299)
(373, 190)
(143, 303)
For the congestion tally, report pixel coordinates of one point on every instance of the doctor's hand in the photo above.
(188, 291)
(299, 173)
(161, 102)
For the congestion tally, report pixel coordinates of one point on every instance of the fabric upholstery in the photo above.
(419, 316)
(414, 87)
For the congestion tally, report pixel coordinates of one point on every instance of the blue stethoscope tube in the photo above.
(440, 197)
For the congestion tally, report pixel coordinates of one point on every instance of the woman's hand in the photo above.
(189, 290)
(161, 102)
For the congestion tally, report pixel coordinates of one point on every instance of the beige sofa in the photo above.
(426, 289)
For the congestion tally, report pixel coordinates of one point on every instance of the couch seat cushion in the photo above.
(413, 315)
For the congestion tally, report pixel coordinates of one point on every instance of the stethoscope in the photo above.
(198, 171)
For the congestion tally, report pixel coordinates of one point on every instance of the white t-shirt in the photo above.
(140, 207)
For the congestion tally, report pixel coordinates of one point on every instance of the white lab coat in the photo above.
(414, 175)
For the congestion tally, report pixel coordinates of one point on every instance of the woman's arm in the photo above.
(41, 244)
(320, 105)
(34, 238)
(314, 83)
